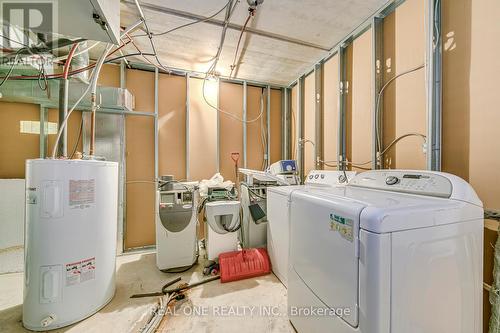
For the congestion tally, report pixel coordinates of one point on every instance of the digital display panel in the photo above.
(412, 176)
(167, 198)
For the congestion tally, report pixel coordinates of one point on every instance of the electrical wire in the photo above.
(182, 269)
(42, 75)
(92, 85)
(211, 70)
(129, 55)
(68, 60)
(336, 166)
(65, 121)
(243, 28)
(253, 192)
(389, 146)
(379, 96)
(14, 41)
(150, 37)
(75, 147)
(263, 132)
(58, 76)
(187, 24)
(436, 25)
(78, 53)
(6, 77)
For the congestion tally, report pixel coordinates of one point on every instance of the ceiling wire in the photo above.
(6, 77)
(251, 13)
(187, 24)
(211, 72)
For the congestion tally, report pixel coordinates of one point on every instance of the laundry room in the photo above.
(250, 166)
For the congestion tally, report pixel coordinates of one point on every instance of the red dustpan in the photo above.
(244, 264)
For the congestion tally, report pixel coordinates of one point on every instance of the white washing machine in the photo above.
(278, 215)
(176, 224)
(394, 251)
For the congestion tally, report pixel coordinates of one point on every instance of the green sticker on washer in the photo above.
(343, 225)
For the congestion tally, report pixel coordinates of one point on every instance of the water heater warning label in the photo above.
(73, 273)
(88, 270)
(80, 271)
(81, 193)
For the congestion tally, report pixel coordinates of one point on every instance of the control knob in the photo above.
(392, 180)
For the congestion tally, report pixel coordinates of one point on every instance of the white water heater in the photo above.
(70, 240)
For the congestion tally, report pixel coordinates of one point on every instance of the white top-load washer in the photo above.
(278, 214)
(393, 252)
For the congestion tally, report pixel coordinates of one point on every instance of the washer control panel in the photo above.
(329, 177)
(415, 182)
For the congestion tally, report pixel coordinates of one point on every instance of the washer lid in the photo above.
(386, 211)
(424, 183)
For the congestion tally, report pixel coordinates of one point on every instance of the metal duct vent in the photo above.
(25, 91)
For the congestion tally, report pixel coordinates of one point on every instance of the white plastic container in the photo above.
(70, 244)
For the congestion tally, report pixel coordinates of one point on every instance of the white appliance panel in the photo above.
(437, 279)
(70, 240)
(325, 249)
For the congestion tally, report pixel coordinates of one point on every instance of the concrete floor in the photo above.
(253, 305)
(12, 260)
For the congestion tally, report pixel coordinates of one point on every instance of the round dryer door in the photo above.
(176, 218)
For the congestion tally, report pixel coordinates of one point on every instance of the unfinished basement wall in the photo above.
(294, 121)
(172, 126)
(275, 123)
(256, 103)
(16, 147)
(404, 101)
(330, 112)
(202, 142)
(139, 152)
(309, 123)
(75, 137)
(361, 132)
(231, 130)
(470, 109)
(200, 147)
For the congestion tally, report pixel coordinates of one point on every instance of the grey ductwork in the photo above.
(28, 91)
(81, 60)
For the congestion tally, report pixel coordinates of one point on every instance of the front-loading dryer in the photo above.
(278, 203)
(394, 251)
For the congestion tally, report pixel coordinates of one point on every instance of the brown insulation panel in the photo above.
(484, 102)
(202, 130)
(294, 121)
(361, 112)
(275, 124)
(139, 145)
(456, 33)
(16, 147)
(109, 76)
(309, 124)
(74, 123)
(142, 85)
(140, 186)
(255, 150)
(404, 101)
(330, 112)
(230, 129)
(172, 126)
